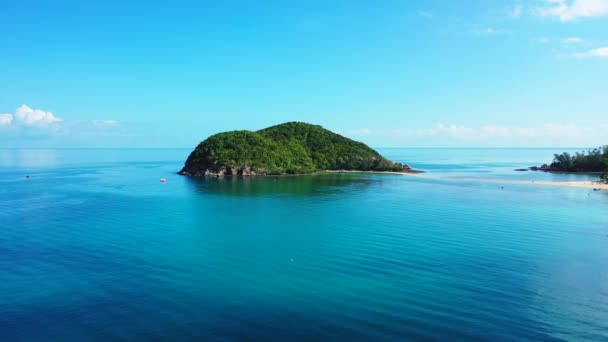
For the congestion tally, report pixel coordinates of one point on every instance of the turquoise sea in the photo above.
(94, 247)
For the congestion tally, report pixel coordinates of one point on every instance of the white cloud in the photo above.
(28, 122)
(599, 52)
(6, 119)
(463, 132)
(29, 116)
(571, 10)
(572, 40)
(90, 128)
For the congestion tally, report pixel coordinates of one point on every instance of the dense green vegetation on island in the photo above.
(289, 148)
(595, 160)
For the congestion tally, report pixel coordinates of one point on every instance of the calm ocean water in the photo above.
(94, 247)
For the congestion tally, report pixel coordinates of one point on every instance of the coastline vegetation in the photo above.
(289, 148)
(595, 160)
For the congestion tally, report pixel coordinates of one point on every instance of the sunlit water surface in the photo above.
(94, 247)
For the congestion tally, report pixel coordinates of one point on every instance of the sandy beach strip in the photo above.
(572, 184)
(408, 173)
(575, 184)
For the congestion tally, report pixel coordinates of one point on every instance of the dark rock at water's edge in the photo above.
(404, 166)
(544, 167)
(547, 168)
(522, 170)
(220, 171)
(289, 148)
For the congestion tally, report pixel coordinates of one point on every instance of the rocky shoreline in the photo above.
(548, 168)
(221, 171)
(245, 171)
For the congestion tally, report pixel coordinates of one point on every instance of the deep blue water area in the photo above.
(94, 247)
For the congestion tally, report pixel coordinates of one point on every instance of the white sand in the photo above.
(573, 184)
(577, 184)
(408, 173)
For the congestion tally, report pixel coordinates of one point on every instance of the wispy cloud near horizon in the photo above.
(559, 134)
(599, 52)
(572, 40)
(24, 115)
(27, 122)
(572, 10)
(6, 119)
(28, 116)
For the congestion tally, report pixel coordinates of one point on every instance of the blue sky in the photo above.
(389, 73)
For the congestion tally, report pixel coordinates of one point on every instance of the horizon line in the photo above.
(374, 147)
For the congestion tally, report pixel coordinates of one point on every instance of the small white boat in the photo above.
(163, 180)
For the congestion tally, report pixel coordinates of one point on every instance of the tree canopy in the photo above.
(289, 148)
(595, 160)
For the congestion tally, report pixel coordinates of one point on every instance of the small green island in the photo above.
(289, 148)
(592, 161)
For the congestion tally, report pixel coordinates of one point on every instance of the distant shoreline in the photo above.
(575, 184)
(408, 172)
(567, 172)
(572, 184)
